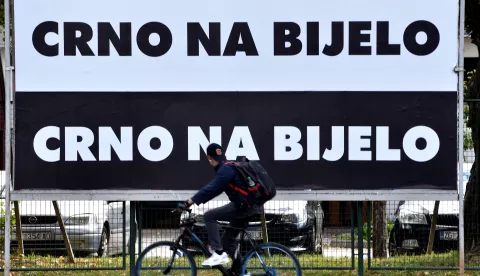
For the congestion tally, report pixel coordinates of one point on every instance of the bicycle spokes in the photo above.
(271, 262)
(165, 260)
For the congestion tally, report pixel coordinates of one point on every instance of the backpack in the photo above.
(258, 185)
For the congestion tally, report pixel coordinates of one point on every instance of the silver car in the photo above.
(93, 227)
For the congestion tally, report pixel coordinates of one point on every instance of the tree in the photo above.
(472, 193)
(380, 234)
(2, 15)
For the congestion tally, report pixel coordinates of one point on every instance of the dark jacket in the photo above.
(225, 175)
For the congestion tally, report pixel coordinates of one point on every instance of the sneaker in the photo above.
(216, 259)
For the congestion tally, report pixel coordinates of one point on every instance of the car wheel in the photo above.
(104, 241)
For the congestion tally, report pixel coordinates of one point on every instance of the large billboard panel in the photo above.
(328, 95)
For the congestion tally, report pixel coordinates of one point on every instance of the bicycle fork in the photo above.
(172, 259)
(255, 248)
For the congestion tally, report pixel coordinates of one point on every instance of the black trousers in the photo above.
(237, 219)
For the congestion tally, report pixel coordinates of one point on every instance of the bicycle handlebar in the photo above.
(180, 210)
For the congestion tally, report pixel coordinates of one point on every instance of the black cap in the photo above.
(216, 152)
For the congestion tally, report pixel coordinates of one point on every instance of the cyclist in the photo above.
(236, 212)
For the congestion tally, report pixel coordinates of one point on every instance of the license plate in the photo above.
(256, 234)
(38, 236)
(449, 235)
(410, 243)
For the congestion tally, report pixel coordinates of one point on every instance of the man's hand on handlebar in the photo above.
(182, 206)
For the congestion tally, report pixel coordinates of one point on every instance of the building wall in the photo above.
(470, 50)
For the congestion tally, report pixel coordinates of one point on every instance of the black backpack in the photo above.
(258, 186)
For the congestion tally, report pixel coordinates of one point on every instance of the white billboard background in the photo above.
(175, 71)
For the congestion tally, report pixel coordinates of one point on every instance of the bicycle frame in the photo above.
(185, 225)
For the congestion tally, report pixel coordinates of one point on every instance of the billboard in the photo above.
(122, 96)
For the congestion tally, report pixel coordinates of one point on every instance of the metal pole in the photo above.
(138, 212)
(352, 234)
(461, 37)
(124, 236)
(8, 135)
(132, 237)
(360, 237)
(369, 229)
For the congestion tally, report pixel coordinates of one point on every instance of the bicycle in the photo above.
(185, 226)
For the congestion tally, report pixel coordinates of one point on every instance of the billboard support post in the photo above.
(8, 135)
(460, 72)
(360, 237)
(133, 236)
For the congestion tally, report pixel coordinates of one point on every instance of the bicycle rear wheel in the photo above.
(271, 259)
(161, 259)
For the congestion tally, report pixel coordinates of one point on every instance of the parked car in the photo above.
(295, 224)
(92, 227)
(412, 223)
(158, 214)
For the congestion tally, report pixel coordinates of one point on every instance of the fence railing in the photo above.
(97, 233)
(324, 235)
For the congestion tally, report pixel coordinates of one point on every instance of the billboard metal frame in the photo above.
(8, 135)
(163, 195)
(460, 71)
(152, 195)
(181, 195)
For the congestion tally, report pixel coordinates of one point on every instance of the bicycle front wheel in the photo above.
(161, 258)
(271, 259)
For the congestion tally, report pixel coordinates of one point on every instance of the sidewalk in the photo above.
(338, 237)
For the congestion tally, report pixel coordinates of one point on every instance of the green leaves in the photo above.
(472, 20)
(2, 221)
(2, 14)
(467, 135)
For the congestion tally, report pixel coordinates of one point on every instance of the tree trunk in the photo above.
(433, 227)
(379, 229)
(472, 193)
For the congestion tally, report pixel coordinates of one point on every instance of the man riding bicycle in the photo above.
(236, 212)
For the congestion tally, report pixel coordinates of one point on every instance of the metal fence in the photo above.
(409, 224)
(299, 225)
(95, 237)
(320, 233)
(330, 235)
